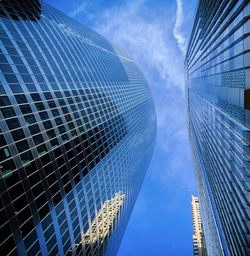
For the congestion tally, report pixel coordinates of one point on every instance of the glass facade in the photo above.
(218, 103)
(77, 131)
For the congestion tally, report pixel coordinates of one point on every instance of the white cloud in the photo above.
(78, 10)
(180, 38)
(145, 40)
(153, 46)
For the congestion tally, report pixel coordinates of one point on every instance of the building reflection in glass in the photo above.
(101, 227)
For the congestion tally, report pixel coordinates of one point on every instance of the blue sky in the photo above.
(155, 34)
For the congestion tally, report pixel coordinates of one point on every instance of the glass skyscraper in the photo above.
(77, 131)
(218, 102)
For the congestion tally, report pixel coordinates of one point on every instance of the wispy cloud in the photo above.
(146, 40)
(78, 10)
(180, 38)
(153, 46)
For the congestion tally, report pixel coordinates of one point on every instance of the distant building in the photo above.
(198, 245)
(77, 131)
(218, 103)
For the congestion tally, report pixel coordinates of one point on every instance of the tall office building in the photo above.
(218, 102)
(77, 131)
(198, 243)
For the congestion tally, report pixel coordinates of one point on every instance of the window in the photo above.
(31, 88)
(8, 112)
(26, 157)
(55, 112)
(41, 149)
(51, 134)
(43, 115)
(65, 110)
(4, 101)
(31, 168)
(34, 129)
(62, 129)
(4, 153)
(58, 94)
(40, 106)
(17, 134)
(54, 143)
(38, 139)
(11, 78)
(16, 191)
(16, 88)
(19, 204)
(13, 123)
(59, 121)
(52, 104)
(45, 159)
(47, 125)
(21, 98)
(27, 227)
(43, 86)
(2, 91)
(25, 109)
(48, 95)
(30, 119)
(22, 146)
(35, 97)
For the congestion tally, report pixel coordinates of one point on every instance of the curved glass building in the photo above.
(77, 131)
(218, 95)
